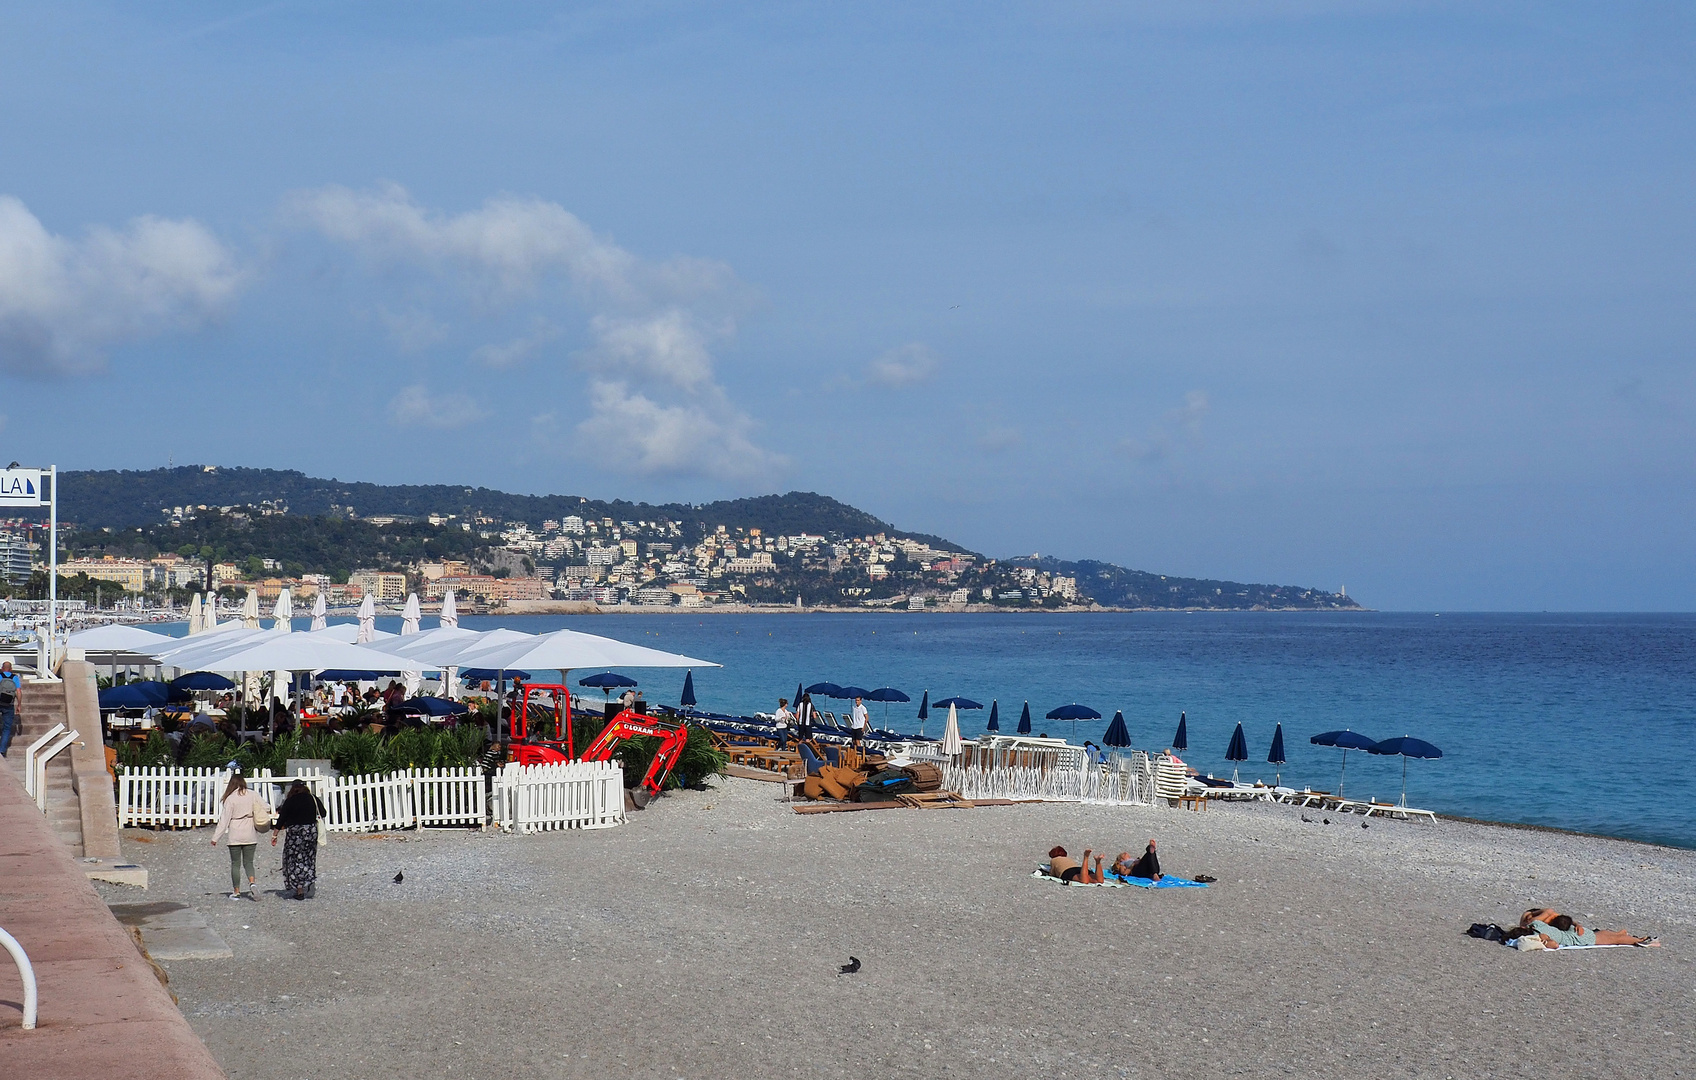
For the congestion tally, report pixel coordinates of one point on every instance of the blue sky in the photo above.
(1396, 295)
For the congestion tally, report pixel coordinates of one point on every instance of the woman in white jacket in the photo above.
(240, 809)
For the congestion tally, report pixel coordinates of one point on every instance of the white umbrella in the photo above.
(188, 651)
(121, 639)
(284, 624)
(209, 617)
(410, 615)
(951, 743)
(318, 610)
(450, 621)
(567, 650)
(442, 646)
(349, 632)
(303, 652)
(250, 610)
(194, 616)
(367, 619)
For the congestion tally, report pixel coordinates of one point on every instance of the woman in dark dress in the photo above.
(298, 818)
(1146, 867)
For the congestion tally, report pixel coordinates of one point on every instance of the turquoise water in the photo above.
(1583, 722)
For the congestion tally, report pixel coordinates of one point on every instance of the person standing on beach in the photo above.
(857, 721)
(237, 815)
(780, 719)
(804, 718)
(299, 815)
(8, 705)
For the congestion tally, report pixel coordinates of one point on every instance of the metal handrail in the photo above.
(29, 757)
(27, 971)
(47, 755)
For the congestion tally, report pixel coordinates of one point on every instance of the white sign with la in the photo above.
(20, 487)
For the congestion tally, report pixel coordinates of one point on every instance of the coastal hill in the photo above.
(770, 549)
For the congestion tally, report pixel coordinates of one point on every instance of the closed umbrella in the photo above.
(1276, 755)
(195, 617)
(449, 621)
(924, 711)
(410, 615)
(1117, 733)
(1074, 712)
(250, 610)
(951, 744)
(319, 612)
(282, 621)
(1345, 740)
(1238, 750)
(1025, 720)
(367, 620)
(209, 615)
(1407, 746)
(1181, 741)
(687, 701)
(994, 716)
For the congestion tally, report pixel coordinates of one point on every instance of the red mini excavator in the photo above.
(626, 725)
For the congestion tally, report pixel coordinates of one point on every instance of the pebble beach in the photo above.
(703, 939)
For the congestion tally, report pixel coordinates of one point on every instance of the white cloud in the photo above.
(652, 325)
(633, 432)
(418, 406)
(1180, 424)
(64, 302)
(518, 350)
(904, 365)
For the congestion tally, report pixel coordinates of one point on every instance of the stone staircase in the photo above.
(40, 706)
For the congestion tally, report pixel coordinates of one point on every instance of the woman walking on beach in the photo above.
(238, 815)
(299, 815)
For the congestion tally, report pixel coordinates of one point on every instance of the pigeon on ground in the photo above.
(1327, 821)
(1307, 819)
(1364, 825)
(400, 876)
(850, 967)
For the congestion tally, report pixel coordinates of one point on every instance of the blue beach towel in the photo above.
(1167, 881)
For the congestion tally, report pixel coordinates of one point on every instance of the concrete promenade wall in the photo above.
(103, 1013)
(88, 761)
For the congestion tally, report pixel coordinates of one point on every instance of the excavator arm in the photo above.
(628, 725)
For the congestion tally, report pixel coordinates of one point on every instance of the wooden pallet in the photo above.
(936, 800)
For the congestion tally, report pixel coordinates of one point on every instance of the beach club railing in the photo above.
(587, 795)
(1123, 779)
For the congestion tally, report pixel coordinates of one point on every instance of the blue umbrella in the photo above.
(1025, 720)
(134, 696)
(1276, 755)
(479, 674)
(434, 706)
(1407, 746)
(606, 680)
(958, 703)
(848, 693)
(202, 680)
(1181, 741)
(1117, 733)
(1074, 712)
(1345, 740)
(886, 694)
(994, 717)
(924, 711)
(825, 689)
(687, 701)
(1238, 750)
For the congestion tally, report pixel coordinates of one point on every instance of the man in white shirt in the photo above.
(781, 719)
(857, 721)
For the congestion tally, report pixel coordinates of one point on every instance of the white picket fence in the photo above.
(586, 795)
(540, 798)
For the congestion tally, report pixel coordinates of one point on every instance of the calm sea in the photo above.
(1583, 722)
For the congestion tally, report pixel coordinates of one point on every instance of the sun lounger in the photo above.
(1393, 809)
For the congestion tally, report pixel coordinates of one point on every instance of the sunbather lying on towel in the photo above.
(1559, 931)
(1146, 867)
(1064, 868)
